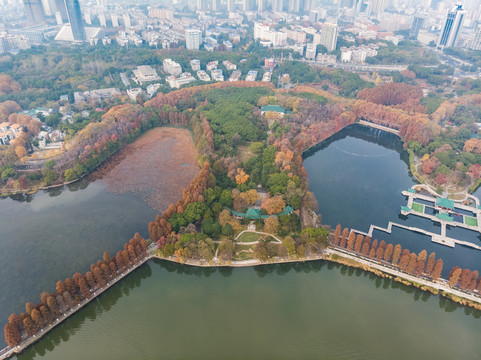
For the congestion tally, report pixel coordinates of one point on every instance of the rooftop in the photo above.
(445, 203)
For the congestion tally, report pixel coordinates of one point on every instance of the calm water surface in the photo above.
(49, 236)
(304, 311)
(357, 177)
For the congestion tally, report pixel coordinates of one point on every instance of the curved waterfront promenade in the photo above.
(373, 264)
(8, 351)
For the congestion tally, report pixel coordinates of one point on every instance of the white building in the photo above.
(326, 59)
(183, 79)
(452, 27)
(212, 65)
(195, 64)
(263, 32)
(235, 76)
(171, 67)
(193, 39)
(476, 43)
(311, 51)
(228, 65)
(203, 76)
(145, 73)
(133, 93)
(96, 95)
(328, 36)
(251, 75)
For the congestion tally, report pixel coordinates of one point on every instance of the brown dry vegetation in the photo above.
(157, 167)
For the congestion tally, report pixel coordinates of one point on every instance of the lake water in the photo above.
(304, 311)
(357, 177)
(310, 310)
(49, 236)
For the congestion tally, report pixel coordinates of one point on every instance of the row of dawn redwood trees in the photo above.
(465, 279)
(72, 291)
(406, 261)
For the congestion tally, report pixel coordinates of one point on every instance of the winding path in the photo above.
(255, 232)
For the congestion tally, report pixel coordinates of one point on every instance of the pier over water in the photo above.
(437, 209)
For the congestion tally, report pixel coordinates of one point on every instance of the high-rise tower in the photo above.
(452, 27)
(34, 11)
(75, 20)
(193, 39)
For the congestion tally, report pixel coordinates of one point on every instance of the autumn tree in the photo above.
(404, 261)
(396, 254)
(29, 306)
(37, 318)
(365, 249)
(358, 243)
(107, 258)
(271, 225)
(60, 287)
(465, 279)
(438, 268)
(421, 260)
(13, 337)
(84, 288)
(260, 251)
(29, 326)
(474, 278)
(90, 280)
(226, 250)
(68, 298)
(413, 260)
(290, 245)
(350, 240)
(53, 306)
(454, 275)
(99, 277)
(70, 286)
(372, 252)
(47, 316)
(43, 297)
(337, 235)
(345, 234)
(274, 205)
(241, 177)
(388, 252)
(17, 321)
(430, 264)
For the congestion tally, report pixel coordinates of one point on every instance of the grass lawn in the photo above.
(244, 153)
(470, 221)
(243, 252)
(248, 237)
(418, 208)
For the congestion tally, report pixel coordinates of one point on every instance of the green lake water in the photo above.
(305, 311)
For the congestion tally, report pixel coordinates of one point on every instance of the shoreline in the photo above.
(330, 254)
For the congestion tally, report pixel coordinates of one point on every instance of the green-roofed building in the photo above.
(445, 217)
(274, 108)
(445, 203)
(405, 208)
(252, 213)
(412, 191)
